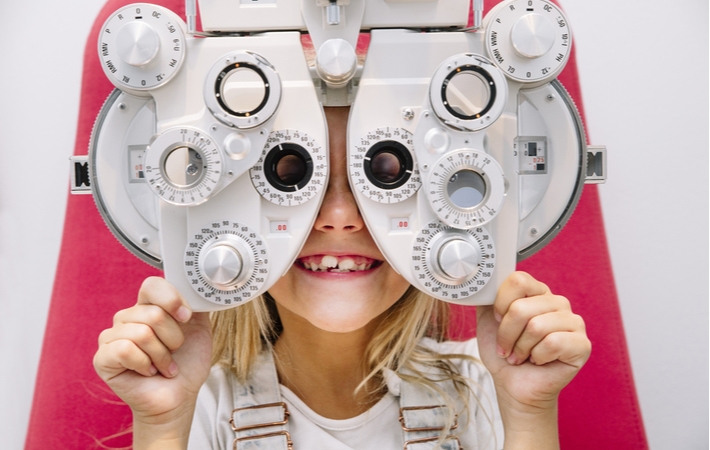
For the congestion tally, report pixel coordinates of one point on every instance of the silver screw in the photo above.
(408, 114)
(121, 106)
(144, 240)
(533, 231)
(550, 97)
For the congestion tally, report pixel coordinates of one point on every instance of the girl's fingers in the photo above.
(157, 291)
(538, 328)
(520, 312)
(571, 348)
(518, 285)
(116, 357)
(145, 344)
(159, 321)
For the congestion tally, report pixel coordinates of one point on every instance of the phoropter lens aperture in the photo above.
(388, 164)
(288, 167)
(466, 189)
(183, 167)
(242, 89)
(468, 92)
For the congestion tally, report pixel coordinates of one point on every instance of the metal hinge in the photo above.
(596, 164)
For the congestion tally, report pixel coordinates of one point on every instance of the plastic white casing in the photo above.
(527, 198)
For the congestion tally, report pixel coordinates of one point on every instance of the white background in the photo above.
(644, 74)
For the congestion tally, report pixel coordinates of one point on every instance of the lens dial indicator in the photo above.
(292, 169)
(468, 92)
(453, 264)
(226, 263)
(141, 46)
(530, 40)
(183, 166)
(383, 167)
(243, 90)
(466, 188)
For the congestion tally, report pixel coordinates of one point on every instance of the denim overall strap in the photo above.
(260, 416)
(423, 414)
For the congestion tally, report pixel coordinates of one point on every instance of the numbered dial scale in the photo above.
(466, 188)
(453, 264)
(183, 166)
(529, 40)
(142, 46)
(226, 263)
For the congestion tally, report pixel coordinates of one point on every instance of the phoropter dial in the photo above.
(142, 46)
(383, 167)
(292, 168)
(453, 264)
(466, 188)
(226, 263)
(530, 40)
(183, 166)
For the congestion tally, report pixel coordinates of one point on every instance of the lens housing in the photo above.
(388, 164)
(288, 167)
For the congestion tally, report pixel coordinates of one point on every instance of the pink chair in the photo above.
(96, 276)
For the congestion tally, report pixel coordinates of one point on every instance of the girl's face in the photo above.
(340, 281)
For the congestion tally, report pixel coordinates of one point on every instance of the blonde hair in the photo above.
(241, 333)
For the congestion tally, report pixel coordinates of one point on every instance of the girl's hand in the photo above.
(533, 345)
(155, 358)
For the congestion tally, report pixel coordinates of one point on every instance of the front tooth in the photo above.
(346, 264)
(329, 261)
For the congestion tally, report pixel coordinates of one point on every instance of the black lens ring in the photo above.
(279, 152)
(406, 163)
(469, 68)
(223, 75)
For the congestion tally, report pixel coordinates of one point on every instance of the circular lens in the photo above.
(466, 189)
(290, 169)
(388, 164)
(183, 167)
(467, 93)
(242, 89)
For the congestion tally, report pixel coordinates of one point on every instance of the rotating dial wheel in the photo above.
(226, 263)
(529, 40)
(453, 264)
(142, 46)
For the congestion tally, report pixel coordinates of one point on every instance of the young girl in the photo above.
(351, 359)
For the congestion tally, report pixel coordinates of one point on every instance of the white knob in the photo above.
(137, 43)
(533, 35)
(222, 265)
(336, 62)
(458, 259)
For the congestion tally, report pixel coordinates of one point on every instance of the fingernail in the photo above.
(501, 352)
(183, 314)
(513, 360)
(173, 369)
(497, 316)
(153, 370)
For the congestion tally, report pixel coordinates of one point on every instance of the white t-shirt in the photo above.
(378, 428)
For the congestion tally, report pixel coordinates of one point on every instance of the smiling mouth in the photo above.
(337, 264)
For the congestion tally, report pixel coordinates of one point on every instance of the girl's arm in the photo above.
(155, 357)
(533, 345)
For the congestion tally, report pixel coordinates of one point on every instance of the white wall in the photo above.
(644, 70)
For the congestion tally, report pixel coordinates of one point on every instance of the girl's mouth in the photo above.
(337, 264)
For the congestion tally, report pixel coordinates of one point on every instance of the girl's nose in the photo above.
(339, 211)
